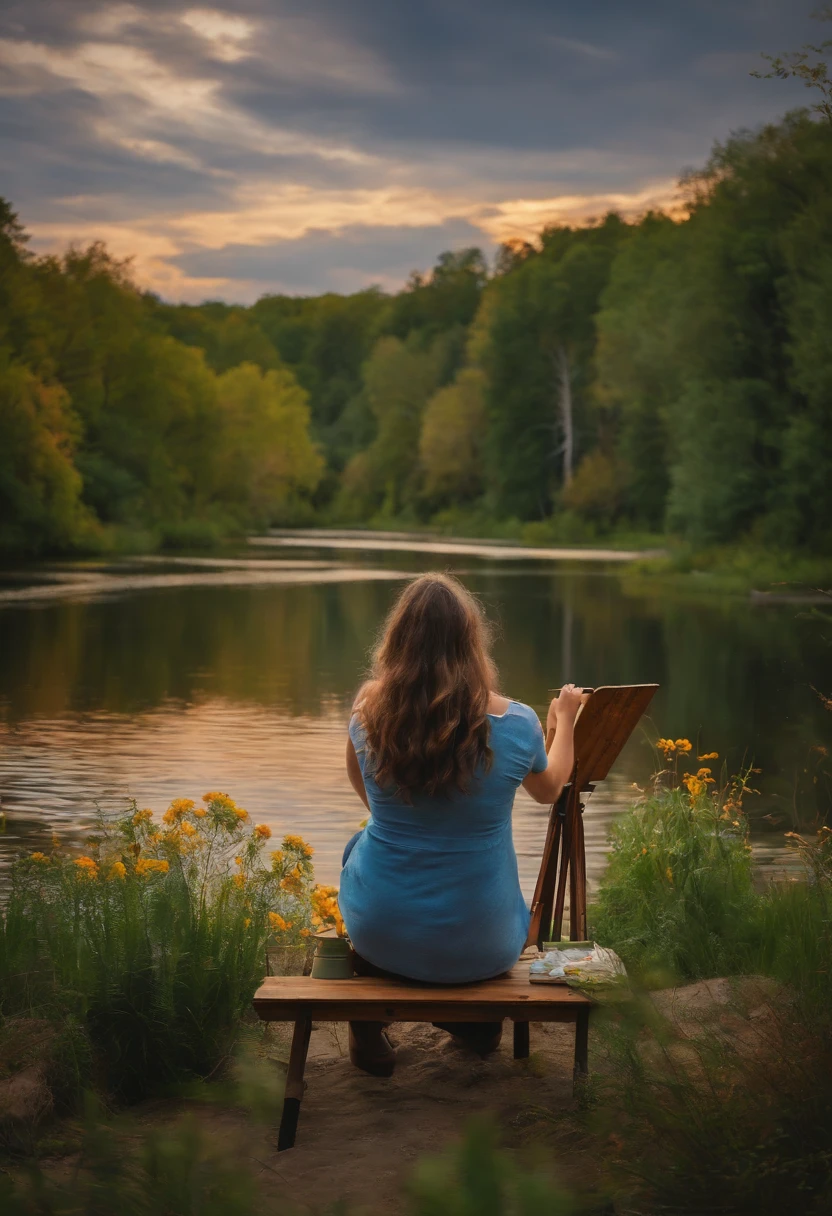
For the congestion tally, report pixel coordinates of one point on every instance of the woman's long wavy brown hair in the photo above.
(424, 708)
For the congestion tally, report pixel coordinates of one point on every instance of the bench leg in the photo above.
(294, 1084)
(521, 1040)
(581, 1047)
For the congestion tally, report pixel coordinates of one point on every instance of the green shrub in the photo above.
(154, 941)
(677, 898)
(713, 1124)
(175, 1171)
(794, 928)
(735, 1117)
(476, 1179)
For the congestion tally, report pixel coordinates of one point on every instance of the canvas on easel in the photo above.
(602, 727)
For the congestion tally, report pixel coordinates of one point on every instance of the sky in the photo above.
(251, 146)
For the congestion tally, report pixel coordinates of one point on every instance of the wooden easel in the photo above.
(604, 724)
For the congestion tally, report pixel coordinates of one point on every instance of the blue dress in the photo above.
(431, 890)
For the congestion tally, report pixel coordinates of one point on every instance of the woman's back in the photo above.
(430, 888)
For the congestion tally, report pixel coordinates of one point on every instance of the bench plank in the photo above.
(284, 998)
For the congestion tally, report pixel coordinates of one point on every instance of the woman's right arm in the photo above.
(546, 786)
(354, 773)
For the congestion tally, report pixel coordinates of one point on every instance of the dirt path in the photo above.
(359, 1136)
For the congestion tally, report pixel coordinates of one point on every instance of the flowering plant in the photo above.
(211, 851)
(153, 939)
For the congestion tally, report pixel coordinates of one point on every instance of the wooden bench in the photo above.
(303, 1000)
(602, 728)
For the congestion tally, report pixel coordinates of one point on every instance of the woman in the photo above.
(430, 890)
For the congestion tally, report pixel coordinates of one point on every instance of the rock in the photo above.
(747, 1013)
(26, 1050)
(25, 1097)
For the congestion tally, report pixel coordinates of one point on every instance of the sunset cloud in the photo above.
(307, 146)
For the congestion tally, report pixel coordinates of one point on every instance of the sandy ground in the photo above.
(360, 1136)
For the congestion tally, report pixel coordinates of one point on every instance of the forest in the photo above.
(670, 376)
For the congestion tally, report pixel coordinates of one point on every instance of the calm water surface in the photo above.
(164, 678)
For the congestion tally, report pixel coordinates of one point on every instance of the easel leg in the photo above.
(521, 1040)
(294, 1084)
(581, 1071)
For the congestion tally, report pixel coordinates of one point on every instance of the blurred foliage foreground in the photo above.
(129, 971)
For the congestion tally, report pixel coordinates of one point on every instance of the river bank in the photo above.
(645, 559)
(688, 1076)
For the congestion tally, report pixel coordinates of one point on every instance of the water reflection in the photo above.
(170, 689)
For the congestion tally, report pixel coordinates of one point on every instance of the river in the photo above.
(164, 677)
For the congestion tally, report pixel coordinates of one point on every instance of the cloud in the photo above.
(295, 240)
(354, 257)
(225, 34)
(582, 48)
(207, 138)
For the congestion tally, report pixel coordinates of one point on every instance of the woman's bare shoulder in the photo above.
(498, 704)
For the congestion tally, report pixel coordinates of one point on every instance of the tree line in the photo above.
(669, 375)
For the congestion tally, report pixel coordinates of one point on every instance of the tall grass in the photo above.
(177, 1171)
(735, 1116)
(153, 941)
(677, 899)
(476, 1178)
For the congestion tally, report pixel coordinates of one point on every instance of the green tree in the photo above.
(540, 364)
(637, 373)
(228, 334)
(40, 488)
(265, 459)
(443, 301)
(807, 66)
(398, 381)
(452, 439)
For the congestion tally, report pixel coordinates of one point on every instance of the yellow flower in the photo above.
(87, 867)
(325, 907)
(262, 830)
(38, 857)
(666, 745)
(238, 861)
(643, 851)
(292, 884)
(118, 870)
(684, 745)
(215, 797)
(277, 922)
(178, 808)
(141, 817)
(709, 756)
(200, 812)
(278, 857)
(247, 922)
(296, 844)
(694, 785)
(150, 865)
(240, 813)
(187, 829)
(305, 932)
(669, 874)
(239, 880)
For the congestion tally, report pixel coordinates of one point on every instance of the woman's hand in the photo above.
(560, 746)
(564, 707)
(568, 702)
